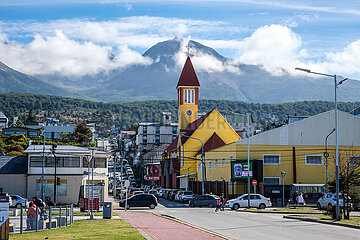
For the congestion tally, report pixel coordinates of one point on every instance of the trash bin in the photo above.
(108, 210)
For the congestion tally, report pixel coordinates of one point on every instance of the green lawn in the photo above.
(354, 220)
(86, 229)
(299, 209)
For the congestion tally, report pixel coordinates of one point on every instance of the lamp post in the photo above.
(202, 160)
(326, 155)
(53, 147)
(92, 181)
(336, 84)
(43, 168)
(283, 191)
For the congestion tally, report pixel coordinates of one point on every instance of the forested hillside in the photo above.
(70, 110)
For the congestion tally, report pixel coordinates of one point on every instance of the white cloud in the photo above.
(204, 62)
(60, 55)
(275, 47)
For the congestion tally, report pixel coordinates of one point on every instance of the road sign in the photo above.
(254, 182)
(127, 183)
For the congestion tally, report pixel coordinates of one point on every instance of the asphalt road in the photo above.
(241, 225)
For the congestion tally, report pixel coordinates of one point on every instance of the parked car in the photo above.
(204, 201)
(187, 196)
(18, 201)
(137, 193)
(154, 192)
(256, 200)
(6, 194)
(329, 199)
(140, 200)
(178, 196)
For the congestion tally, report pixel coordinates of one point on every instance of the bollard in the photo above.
(60, 217)
(66, 219)
(36, 220)
(50, 217)
(21, 220)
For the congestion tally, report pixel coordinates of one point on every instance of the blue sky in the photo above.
(321, 35)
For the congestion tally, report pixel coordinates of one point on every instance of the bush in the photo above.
(331, 210)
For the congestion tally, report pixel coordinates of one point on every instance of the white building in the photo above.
(151, 135)
(72, 169)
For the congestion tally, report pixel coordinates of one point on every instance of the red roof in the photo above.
(188, 76)
(214, 142)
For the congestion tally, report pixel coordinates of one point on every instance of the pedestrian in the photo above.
(222, 201)
(40, 204)
(31, 217)
(218, 204)
(301, 199)
(296, 197)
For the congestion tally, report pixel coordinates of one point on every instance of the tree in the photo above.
(82, 133)
(31, 118)
(349, 177)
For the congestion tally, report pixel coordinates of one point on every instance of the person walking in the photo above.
(296, 197)
(31, 217)
(222, 201)
(218, 204)
(301, 199)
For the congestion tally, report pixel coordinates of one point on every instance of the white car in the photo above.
(256, 200)
(18, 201)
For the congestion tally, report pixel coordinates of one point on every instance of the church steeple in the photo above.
(188, 95)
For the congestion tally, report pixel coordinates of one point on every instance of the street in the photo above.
(240, 225)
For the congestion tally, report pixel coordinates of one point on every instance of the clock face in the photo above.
(188, 112)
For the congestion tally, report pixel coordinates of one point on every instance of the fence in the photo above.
(48, 218)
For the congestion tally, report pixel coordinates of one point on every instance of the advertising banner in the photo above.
(240, 170)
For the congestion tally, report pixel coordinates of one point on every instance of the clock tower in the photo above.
(188, 95)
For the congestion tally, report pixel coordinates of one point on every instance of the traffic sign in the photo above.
(254, 182)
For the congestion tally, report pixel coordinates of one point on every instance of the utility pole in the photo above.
(53, 147)
(248, 160)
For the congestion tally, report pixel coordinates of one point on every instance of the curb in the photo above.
(279, 212)
(192, 226)
(322, 221)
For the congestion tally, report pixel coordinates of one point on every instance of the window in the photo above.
(231, 157)
(21, 132)
(144, 129)
(271, 159)
(33, 133)
(254, 197)
(216, 163)
(199, 167)
(210, 165)
(99, 163)
(271, 180)
(9, 132)
(354, 160)
(189, 96)
(223, 162)
(313, 160)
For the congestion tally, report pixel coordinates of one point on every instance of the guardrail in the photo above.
(48, 218)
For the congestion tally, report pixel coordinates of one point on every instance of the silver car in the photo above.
(18, 201)
(329, 200)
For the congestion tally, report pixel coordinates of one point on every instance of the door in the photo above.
(255, 200)
(200, 201)
(134, 201)
(244, 201)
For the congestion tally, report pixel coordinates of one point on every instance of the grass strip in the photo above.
(112, 229)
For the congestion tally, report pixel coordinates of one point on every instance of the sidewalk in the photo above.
(160, 228)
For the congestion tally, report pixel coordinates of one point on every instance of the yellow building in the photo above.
(296, 149)
(180, 162)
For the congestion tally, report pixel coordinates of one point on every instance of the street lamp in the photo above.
(336, 84)
(43, 168)
(283, 191)
(202, 160)
(92, 181)
(326, 155)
